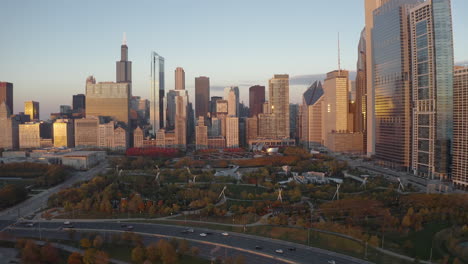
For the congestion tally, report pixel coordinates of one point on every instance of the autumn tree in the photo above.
(138, 254)
(85, 243)
(49, 254)
(75, 258)
(97, 242)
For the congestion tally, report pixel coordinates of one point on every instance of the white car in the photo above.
(203, 234)
(67, 223)
(331, 262)
(279, 251)
(225, 234)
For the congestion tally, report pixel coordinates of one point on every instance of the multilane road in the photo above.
(39, 201)
(213, 245)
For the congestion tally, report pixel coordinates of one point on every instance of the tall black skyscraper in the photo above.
(79, 102)
(124, 67)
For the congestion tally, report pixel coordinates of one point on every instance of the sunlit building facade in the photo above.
(391, 71)
(157, 93)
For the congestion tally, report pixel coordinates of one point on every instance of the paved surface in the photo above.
(39, 201)
(8, 255)
(212, 245)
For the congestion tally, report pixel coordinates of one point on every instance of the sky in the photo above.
(49, 47)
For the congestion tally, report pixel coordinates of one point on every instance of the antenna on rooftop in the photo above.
(124, 41)
(339, 55)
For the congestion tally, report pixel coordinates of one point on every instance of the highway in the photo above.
(39, 201)
(213, 245)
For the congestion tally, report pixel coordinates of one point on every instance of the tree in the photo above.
(49, 254)
(153, 253)
(30, 254)
(97, 242)
(184, 247)
(101, 257)
(89, 256)
(138, 254)
(85, 243)
(75, 258)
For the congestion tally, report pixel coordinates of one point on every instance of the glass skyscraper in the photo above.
(392, 83)
(432, 72)
(157, 113)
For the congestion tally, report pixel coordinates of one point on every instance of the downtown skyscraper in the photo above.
(202, 96)
(432, 91)
(279, 102)
(123, 67)
(157, 102)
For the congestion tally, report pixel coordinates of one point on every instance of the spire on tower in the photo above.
(339, 55)
(124, 41)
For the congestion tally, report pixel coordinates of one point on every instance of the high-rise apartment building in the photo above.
(360, 124)
(460, 128)
(8, 128)
(181, 119)
(124, 66)
(251, 128)
(171, 109)
(234, 105)
(109, 99)
(311, 116)
(432, 88)
(79, 102)
(202, 96)
(86, 132)
(179, 78)
(279, 101)
(31, 108)
(6, 94)
(213, 104)
(391, 86)
(201, 131)
(232, 132)
(256, 99)
(157, 102)
(63, 133)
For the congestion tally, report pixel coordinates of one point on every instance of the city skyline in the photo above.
(291, 55)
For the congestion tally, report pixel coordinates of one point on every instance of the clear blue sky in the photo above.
(49, 47)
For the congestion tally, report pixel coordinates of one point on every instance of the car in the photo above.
(66, 223)
(331, 262)
(292, 249)
(129, 228)
(258, 248)
(203, 234)
(123, 225)
(190, 230)
(185, 231)
(279, 251)
(225, 234)
(29, 224)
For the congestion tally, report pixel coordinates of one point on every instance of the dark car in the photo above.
(292, 249)
(258, 247)
(123, 225)
(129, 228)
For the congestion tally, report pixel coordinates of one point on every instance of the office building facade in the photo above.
(460, 128)
(256, 99)
(202, 96)
(109, 99)
(157, 93)
(31, 108)
(6, 95)
(432, 88)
